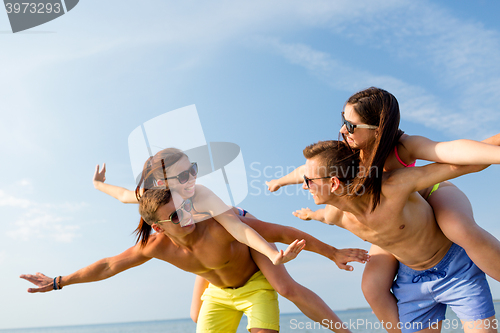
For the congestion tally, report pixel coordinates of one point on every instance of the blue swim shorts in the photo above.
(455, 281)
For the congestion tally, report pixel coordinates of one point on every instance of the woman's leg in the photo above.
(307, 301)
(377, 281)
(200, 284)
(453, 213)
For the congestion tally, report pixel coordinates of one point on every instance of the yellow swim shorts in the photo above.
(223, 307)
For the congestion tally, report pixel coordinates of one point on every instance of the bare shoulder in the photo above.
(397, 184)
(333, 215)
(211, 228)
(202, 190)
(156, 242)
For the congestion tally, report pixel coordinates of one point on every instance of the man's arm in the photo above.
(100, 270)
(409, 180)
(286, 235)
(307, 214)
(403, 182)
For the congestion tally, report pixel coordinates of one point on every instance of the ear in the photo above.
(156, 228)
(335, 184)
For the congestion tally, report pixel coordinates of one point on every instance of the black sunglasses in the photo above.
(350, 126)
(183, 177)
(177, 216)
(307, 180)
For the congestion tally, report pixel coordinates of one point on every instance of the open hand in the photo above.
(290, 253)
(304, 214)
(42, 281)
(99, 176)
(343, 256)
(273, 185)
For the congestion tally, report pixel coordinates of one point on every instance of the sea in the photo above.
(357, 320)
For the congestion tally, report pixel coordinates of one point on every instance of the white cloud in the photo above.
(461, 58)
(33, 220)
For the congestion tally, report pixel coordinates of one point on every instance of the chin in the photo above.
(317, 200)
(188, 193)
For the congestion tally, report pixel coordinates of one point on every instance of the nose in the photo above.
(191, 178)
(304, 186)
(186, 215)
(343, 129)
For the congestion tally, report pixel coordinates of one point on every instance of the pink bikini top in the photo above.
(401, 161)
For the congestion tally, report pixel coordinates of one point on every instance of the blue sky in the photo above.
(270, 77)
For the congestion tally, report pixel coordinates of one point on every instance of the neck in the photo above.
(359, 205)
(187, 241)
(363, 154)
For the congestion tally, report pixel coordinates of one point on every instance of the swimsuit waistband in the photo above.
(452, 252)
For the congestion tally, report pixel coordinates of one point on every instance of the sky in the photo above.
(271, 77)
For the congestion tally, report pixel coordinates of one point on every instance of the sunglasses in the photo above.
(177, 216)
(183, 177)
(307, 180)
(350, 126)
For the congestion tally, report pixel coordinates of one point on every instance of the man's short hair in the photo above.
(151, 200)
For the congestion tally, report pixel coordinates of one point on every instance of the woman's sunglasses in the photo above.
(350, 126)
(177, 216)
(183, 177)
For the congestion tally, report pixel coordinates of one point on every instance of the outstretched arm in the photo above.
(294, 177)
(403, 182)
(206, 201)
(284, 234)
(100, 270)
(307, 214)
(463, 152)
(117, 192)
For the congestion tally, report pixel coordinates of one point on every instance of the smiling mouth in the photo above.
(188, 223)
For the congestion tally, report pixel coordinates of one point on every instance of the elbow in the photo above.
(473, 168)
(477, 168)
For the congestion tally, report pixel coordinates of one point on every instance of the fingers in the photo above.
(302, 213)
(42, 289)
(271, 187)
(43, 282)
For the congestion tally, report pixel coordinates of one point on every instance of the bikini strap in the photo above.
(400, 160)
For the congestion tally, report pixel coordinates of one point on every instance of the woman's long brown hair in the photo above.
(154, 170)
(378, 107)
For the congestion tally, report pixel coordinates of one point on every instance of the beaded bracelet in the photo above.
(57, 286)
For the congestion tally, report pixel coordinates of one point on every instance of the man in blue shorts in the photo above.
(433, 272)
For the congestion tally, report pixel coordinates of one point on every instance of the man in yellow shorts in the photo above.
(205, 248)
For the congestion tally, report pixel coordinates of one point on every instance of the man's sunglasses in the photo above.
(307, 180)
(177, 216)
(350, 126)
(183, 177)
